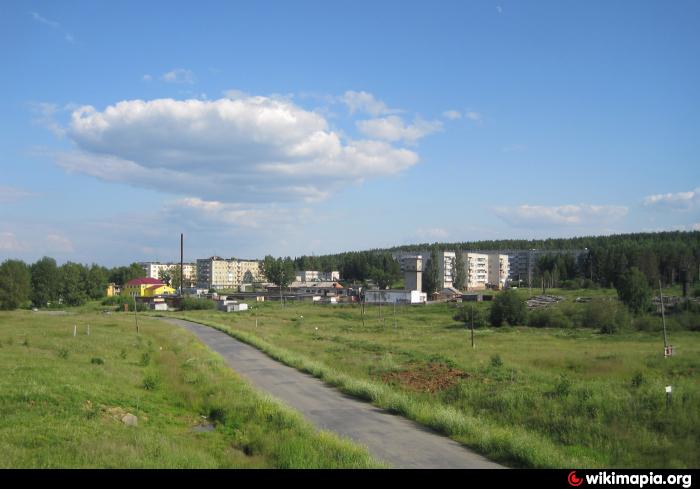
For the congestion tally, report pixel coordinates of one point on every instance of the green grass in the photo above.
(62, 399)
(560, 398)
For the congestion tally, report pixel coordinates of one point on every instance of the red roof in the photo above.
(145, 281)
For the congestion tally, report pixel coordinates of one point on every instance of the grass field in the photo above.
(62, 399)
(529, 397)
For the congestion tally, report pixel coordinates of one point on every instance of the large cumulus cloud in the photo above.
(235, 149)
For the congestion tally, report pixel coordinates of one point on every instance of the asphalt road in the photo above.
(393, 439)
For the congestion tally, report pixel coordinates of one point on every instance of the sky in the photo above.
(292, 128)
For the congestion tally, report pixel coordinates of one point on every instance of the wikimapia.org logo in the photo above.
(640, 480)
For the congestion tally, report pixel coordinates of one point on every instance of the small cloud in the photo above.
(393, 128)
(674, 201)
(59, 244)
(499, 9)
(452, 115)
(53, 24)
(179, 76)
(473, 116)
(44, 116)
(432, 233)
(147, 77)
(365, 102)
(11, 194)
(44, 20)
(9, 242)
(563, 215)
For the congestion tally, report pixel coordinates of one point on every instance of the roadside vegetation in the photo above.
(583, 385)
(157, 399)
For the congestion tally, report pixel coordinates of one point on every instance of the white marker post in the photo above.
(88, 330)
(75, 330)
(669, 390)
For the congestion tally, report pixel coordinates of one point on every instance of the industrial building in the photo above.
(153, 269)
(316, 276)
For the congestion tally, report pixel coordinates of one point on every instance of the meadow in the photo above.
(63, 399)
(526, 397)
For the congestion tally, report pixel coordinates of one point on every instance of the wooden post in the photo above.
(663, 319)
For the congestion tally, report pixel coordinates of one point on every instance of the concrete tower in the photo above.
(413, 272)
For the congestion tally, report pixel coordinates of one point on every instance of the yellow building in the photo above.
(112, 290)
(146, 287)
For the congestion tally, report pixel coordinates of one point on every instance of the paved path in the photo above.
(396, 440)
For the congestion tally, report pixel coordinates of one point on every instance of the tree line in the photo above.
(44, 283)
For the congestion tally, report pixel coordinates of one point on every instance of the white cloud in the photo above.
(674, 201)
(695, 226)
(53, 24)
(247, 149)
(432, 233)
(9, 242)
(59, 244)
(209, 212)
(44, 115)
(473, 116)
(44, 20)
(393, 128)
(499, 9)
(366, 103)
(147, 77)
(563, 215)
(452, 114)
(11, 194)
(180, 76)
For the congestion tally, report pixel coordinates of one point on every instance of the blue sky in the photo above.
(313, 127)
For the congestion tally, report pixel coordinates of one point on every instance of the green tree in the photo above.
(470, 314)
(633, 290)
(460, 276)
(15, 284)
(121, 275)
(279, 271)
(96, 281)
(45, 282)
(431, 274)
(508, 308)
(72, 278)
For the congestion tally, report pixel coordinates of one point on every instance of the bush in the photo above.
(145, 359)
(192, 304)
(150, 382)
(647, 323)
(496, 361)
(550, 317)
(508, 308)
(63, 353)
(607, 317)
(685, 320)
(470, 315)
(97, 361)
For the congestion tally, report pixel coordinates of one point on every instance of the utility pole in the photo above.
(663, 320)
(181, 262)
(136, 318)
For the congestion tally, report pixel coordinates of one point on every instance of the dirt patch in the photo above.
(426, 377)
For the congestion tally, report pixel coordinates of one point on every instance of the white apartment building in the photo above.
(154, 268)
(220, 273)
(316, 276)
(477, 270)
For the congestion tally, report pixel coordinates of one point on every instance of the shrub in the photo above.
(508, 308)
(607, 317)
(550, 317)
(97, 361)
(647, 323)
(63, 353)
(145, 359)
(122, 354)
(193, 303)
(637, 380)
(470, 315)
(496, 361)
(150, 382)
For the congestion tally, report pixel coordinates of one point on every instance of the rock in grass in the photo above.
(130, 420)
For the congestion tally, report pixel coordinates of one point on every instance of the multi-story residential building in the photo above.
(316, 276)
(154, 269)
(523, 263)
(477, 270)
(219, 273)
(499, 268)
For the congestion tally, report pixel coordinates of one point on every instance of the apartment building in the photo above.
(499, 269)
(316, 276)
(220, 273)
(477, 270)
(154, 268)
